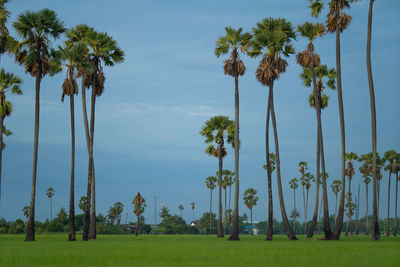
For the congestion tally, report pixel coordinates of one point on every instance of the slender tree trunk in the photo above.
(348, 213)
(30, 231)
(229, 207)
(235, 225)
(366, 211)
(305, 216)
(339, 221)
(395, 205)
(51, 209)
(220, 226)
(138, 226)
(358, 209)
(269, 171)
(387, 222)
(285, 220)
(378, 193)
(336, 206)
(251, 221)
(225, 213)
(294, 205)
(92, 230)
(210, 208)
(72, 236)
(1, 143)
(375, 223)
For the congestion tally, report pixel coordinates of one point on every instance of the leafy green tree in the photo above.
(34, 52)
(139, 206)
(211, 184)
(62, 216)
(336, 187)
(181, 208)
(206, 220)
(165, 213)
(272, 164)
(233, 41)
(218, 130)
(294, 214)
(250, 200)
(50, 194)
(294, 185)
(8, 83)
(390, 157)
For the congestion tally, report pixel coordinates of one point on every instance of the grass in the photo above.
(185, 250)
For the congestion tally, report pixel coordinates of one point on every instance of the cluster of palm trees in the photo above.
(272, 41)
(83, 55)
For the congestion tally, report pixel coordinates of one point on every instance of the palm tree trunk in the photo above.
(30, 231)
(305, 216)
(138, 226)
(235, 225)
(285, 220)
(395, 205)
(220, 226)
(358, 209)
(375, 223)
(336, 206)
(387, 222)
(348, 213)
(1, 143)
(366, 211)
(251, 221)
(294, 205)
(210, 208)
(339, 220)
(51, 209)
(229, 207)
(225, 213)
(269, 171)
(92, 230)
(72, 236)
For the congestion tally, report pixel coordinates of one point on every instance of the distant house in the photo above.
(130, 227)
(194, 223)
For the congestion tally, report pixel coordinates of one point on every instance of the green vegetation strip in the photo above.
(186, 250)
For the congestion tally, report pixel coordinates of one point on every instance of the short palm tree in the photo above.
(36, 29)
(305, 182)
(230, 181)
(181, 208)
(50, 194)
(8, 83)
(350, 158)
(390, 157)
(139, 206)
(336, 187)
(232, 42)
(294, 185)
(218, 130)
(272, 161)
(211, 184)
(250, 200)
(82, 203)
(272, 39)
(25, 210)
(193, 205)
(366, 173)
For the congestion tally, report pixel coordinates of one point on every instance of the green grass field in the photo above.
(54, 250)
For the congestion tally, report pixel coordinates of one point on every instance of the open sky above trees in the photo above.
(149, 117)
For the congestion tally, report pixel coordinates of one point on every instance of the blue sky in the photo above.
(149, 117)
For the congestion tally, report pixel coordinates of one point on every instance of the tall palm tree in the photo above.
(181, 208)
(7, 42)
(139, 206)
(250, 200)
(337, 22)
(294, 185)
(36, 29)
(72, 61)
(396, 167)
(232, 41)
(8, 83)
(50, 194)
(375, 214)
(336, 187)
(366, 175)
(272, 163)
(218, 130)
(389, 157)
(272, 39)
(349, 172)
(103, 50)
(192, 205)
(211, 184)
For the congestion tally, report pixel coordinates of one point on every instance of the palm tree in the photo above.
(364, 170)
(294, 214)
(82, 203)
(25, 210)
(34, 52)
(139, 204)
(250, 200)
(272, 163)
(211, 183)
(8, 83)
(349, 172)
(232, 41)
(218, 130)
(227, 179)
(7, 42)
(50, 194)
(396, 167)
(336, 187)
(390, 157)
(305, 182)
(337, 22)
(294, 185)
(231, 180)
(272, 38)
(192, 205)
(103, 49)
(181, 208)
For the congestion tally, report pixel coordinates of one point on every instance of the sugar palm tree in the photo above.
(294, 185)
(272, 161)
(211, 184)
(389, 157)
(103, 50)
(218, 130)
(7, 42)
(294, 214)
(233, 41)
(36, 29)
(230, 181)
(25, 210)
(366, 173)
(337, 22)
(272, 39)
(8, 83)
(181, 208)
(396, 167)
(50, 194)
(226, 180)
(349, 172)
(305, 182)
(82, 203)
(139, 206)
(250, 200)
(336, 187)
(193, 205)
